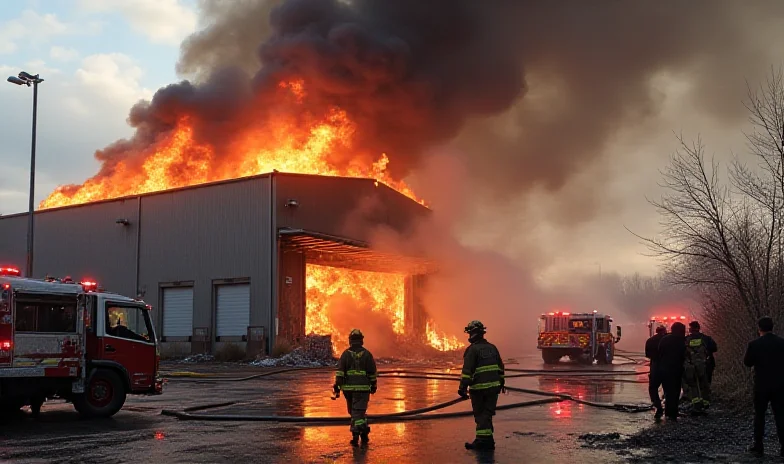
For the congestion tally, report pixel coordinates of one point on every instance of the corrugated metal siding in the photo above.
(177, 310)
(207, 234)
(84, 242)
(346, 207)
(232, 306)
(13, 241)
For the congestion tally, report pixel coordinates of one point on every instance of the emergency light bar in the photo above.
(10, 271)
(89, 286)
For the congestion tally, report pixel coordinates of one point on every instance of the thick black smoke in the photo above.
(533, 90)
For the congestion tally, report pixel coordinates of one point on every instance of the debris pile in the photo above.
(314, 351)
(198, 358)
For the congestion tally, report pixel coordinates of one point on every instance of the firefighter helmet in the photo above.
(355, 334)
(475, 326)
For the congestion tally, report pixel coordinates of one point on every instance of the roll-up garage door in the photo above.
(178, 312)
(233, 310)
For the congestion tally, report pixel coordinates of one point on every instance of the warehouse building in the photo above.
(224, 262)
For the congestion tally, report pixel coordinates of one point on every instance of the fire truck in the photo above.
(665, 321)
(583, 337)
(73, 341)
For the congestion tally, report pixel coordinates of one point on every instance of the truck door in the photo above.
(129, 340)
(6, 326)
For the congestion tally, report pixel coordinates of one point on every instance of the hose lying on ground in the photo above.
(210, 378)
(405, 416)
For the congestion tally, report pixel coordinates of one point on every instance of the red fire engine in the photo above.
(665, 321)
(584, 337)
(60, 339)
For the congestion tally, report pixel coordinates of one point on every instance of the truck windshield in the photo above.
(580, 325)
(129, 322)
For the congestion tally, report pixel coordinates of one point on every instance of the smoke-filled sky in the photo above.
(558, 114)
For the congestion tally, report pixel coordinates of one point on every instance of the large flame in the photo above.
(440, 340)
(339, 299)
(283, 144)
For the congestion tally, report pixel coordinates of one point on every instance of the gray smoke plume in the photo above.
(533, 91)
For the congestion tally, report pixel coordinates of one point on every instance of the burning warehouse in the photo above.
(247, 262)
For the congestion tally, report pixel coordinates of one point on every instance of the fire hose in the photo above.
(411, 415)
(405, 416)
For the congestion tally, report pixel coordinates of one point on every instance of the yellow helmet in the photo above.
(355, 334)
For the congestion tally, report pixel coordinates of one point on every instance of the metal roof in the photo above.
(41, 286)
(328, 250)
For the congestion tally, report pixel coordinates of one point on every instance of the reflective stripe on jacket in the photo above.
(482, 367)
(356, 370)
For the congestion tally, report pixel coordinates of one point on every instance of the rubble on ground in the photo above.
(314, 351)
(198, 358)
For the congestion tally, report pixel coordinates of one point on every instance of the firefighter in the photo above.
(699, 350)
(356, 376)
(672, 352)
(483, 373)
(655, 375)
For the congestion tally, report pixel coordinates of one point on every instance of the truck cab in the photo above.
(664, 321)
(60, 339)
(583, 337)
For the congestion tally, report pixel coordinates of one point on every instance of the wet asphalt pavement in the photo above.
(139, 433)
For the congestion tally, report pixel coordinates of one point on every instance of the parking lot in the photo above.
(543, 433)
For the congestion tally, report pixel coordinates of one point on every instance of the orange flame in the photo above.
(440, 340)
(379, 292)
(284, 144)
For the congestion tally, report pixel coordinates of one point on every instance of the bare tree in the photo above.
(725, 239)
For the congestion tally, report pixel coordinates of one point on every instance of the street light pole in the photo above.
(30, 80)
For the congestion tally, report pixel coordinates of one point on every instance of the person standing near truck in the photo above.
(672, 353)
(483, 373)
(655, 375)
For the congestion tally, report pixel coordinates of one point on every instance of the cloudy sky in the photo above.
(99, 57)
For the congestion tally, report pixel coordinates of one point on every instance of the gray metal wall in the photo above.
(206, 234)
(345, 207)
(202, 235)
(82, 242)
(13, 241)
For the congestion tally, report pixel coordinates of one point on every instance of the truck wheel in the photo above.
(104, 395)
(551, 356)
(605, 354)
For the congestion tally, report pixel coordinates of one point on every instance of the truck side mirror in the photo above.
(618, 332)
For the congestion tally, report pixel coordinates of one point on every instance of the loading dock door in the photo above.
(233, 310)
(178, 312)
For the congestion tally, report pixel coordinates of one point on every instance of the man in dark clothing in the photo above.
(483, 372)
(655, 376)
(699, 350)
(765, 355)
(672, 352)
(356, 375)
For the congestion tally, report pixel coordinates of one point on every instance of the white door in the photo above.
(178, 312)
(233, 310)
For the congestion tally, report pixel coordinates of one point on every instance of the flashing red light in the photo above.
(6, 286)
(683, 317)
(6, 345)
(10, 271)
(566, 314)
(664, 318)
(552, 314)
